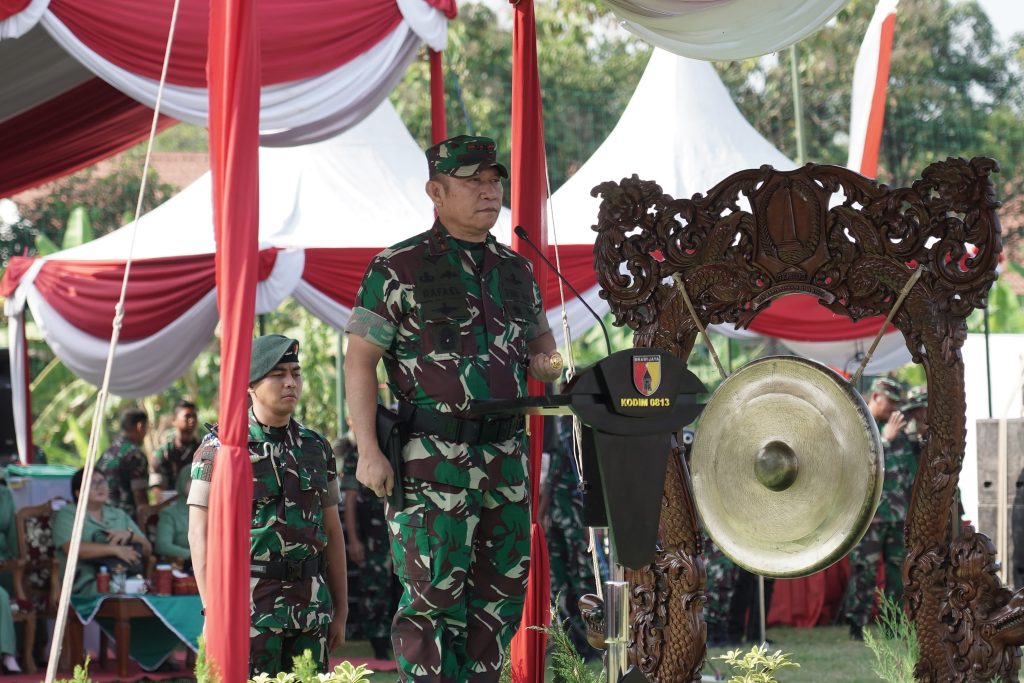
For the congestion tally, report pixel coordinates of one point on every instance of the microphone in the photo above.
(521, 234)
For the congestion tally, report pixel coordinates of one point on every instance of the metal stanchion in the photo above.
(616, 622)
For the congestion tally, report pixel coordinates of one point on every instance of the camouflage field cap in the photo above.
(888, 387)
(462, 156)
(916, 398)
(268, 351)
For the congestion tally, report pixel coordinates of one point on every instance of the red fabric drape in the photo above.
(338, 272)
(159, 290)
(16, 268)
(234, 163)
(438, 119)
(876, 118)
(298, 39)
(799, 317)
(449, 7)
(73, 130)
(529, 190)
(8, 8)
(810, 600)
(132, 35)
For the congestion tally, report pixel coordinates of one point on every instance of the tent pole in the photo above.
(798, 109)
(339, 383)
(988, 362)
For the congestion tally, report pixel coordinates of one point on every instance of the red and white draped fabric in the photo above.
(870, 81)
(352, 54)
(723, 29)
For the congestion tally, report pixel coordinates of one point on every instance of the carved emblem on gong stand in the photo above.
(760, 234)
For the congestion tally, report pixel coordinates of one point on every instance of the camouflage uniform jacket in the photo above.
(453, 332)
(293, 482)
(169, 459)
(127, 471)
(900, 469)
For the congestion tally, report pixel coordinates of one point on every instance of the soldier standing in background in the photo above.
(124, 465)
(298, 583)
(883, 543)
(561, 513)
(456, 317)
(369, 549)
(175, 453)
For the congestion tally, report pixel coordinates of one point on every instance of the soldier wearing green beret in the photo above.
(883, 543)
(455, 316)
(298, 583)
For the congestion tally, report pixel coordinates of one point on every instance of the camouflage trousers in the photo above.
(376, 581)
(883, 543)
(462, 556)
(722, 577)
(571, 569)
(271, 650)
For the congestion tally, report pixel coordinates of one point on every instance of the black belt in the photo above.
(457, 429)
(283, 570)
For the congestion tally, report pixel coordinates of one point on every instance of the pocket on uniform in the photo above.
(264, 479)
(410, 545)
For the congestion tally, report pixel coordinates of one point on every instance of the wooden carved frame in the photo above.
(855, 257)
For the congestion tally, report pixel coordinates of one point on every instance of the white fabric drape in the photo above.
(141, 367)
(17, 25)
(723, 29)
(281, 282)
(311, 109)
(322, 306)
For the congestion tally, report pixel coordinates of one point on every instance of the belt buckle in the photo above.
(293, 571)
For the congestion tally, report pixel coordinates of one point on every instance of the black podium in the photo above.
(630, 403)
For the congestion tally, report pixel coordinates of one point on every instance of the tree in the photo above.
(950, 88)
(110, 200)
(588, 70)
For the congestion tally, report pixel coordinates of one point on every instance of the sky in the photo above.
(1007, 16)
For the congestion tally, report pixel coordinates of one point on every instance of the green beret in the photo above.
(888, 387)
(916, 398)
(268, 351)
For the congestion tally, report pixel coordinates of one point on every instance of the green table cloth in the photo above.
(178, 620)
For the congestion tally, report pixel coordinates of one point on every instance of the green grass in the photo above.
(825, 655)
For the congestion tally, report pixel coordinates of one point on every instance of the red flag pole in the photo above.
(233, 74)
(529, 192)
(438, 116)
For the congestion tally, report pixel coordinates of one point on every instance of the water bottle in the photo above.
(118, 579)
(103, 580)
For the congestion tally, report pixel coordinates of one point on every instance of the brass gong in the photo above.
(786, 466)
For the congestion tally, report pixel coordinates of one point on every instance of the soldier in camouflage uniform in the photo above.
(883, 543)
(298, 583)
(455, 317)
(561, 512)
(125, 466)
(369, 549)
(722, 577)
(175, 453)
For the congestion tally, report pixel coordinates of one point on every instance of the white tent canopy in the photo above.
(682, 130)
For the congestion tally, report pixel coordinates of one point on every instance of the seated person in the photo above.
(8, 649)
(172, 526)
(109, 535)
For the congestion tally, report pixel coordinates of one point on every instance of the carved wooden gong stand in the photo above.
(855, 258)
